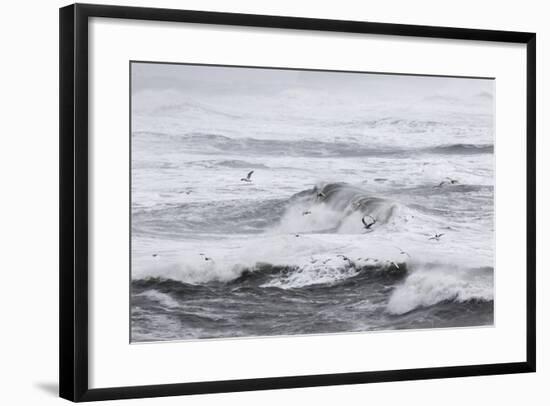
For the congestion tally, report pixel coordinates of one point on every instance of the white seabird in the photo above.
(368, 225)
(436, 236)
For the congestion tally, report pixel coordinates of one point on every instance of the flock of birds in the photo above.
(366, 224)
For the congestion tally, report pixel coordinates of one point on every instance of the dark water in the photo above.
(242, 307)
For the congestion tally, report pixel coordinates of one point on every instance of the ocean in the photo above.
(354, 177)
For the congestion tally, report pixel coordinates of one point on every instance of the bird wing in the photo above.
(402, 251)
(249, 174)
(364, 222)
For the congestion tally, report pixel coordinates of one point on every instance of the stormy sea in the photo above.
(278, 202)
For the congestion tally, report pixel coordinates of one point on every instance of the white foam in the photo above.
(426, 287)
(162, 298)
(317, 273)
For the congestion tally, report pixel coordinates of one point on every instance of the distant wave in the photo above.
(234, 163)
(215, 143)
(229, 163)
(209, 143)
(462, 149)
(222, 217)
(406, 125)
(192, 108)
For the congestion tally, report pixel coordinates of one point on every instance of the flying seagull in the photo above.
(305, 213)
(247, 179)
(452, 181)
(206, 258)
(368, 225)
(436, 236)
(401, 252)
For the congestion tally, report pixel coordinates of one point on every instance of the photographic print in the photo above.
(276, 202)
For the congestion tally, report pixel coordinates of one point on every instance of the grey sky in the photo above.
(227, 80)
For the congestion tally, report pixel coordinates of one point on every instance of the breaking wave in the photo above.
(325, 208)
(411, 287)
(432, 285)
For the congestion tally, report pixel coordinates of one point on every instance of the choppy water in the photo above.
(280, 258)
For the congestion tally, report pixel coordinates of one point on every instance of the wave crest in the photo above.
(429, 286)
(338, 208)
(313, 271)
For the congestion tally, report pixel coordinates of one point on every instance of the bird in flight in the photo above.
(205, 257)
(436, 236)
(305, 213)
(321, 196)
(368, 225)
(401, 252)
(247, 179)
(452, 181)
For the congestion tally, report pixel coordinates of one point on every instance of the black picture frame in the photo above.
(73, 254)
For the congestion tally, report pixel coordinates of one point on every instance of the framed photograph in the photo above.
(258, 202)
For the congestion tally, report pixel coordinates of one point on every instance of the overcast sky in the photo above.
(227, 80)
